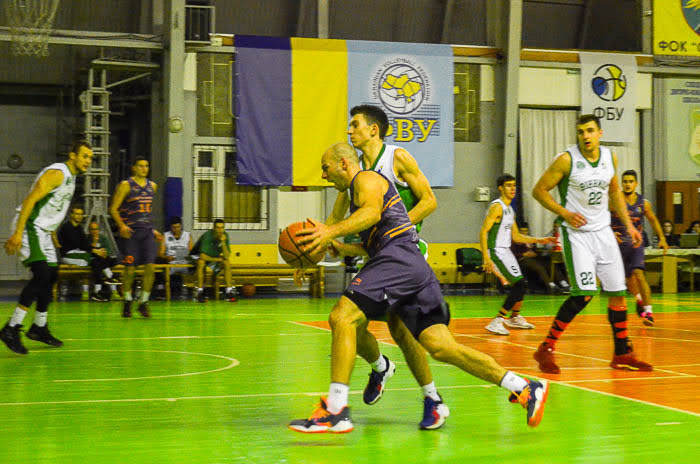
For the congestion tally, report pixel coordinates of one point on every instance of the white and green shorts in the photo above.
(505, 262)
(591, 255)
(36, 245)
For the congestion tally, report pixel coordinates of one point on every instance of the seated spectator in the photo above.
(528, 258)
(693, 228)
(175, 248)
(673, 240)
(212, 251)
(78, 250)
(102, 259)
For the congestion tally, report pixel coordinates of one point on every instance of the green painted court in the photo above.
(218, 382)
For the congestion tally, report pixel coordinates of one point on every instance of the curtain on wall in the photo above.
(544, 134)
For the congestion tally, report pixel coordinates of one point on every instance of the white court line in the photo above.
(606, 361)
(216, 397)
(233, 363)
(176, 337)
(571, 385)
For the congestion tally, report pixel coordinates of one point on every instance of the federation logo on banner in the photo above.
(607, 91)
(402, 87)
(609, 83)
(676, 27)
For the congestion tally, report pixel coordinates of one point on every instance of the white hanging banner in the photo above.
(608, 90)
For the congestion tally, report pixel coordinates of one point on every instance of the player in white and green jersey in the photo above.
(41, 212)
(498, 231)
(585, 176)
(368, 126)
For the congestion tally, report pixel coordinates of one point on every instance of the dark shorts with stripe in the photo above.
(632, 258)
(398, 278)
(140, 248)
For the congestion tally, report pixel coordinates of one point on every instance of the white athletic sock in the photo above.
(647, 309)
(563, 284)
(40, 318)
(337, 397)
(17, 316)
(113, 288)
(144, 297)
(229, 289)
(98, 287)
(108, 273)
(127, 295)
(638, 297)
(513, 382)
(552, 285)
(431, 391)
(380, 364)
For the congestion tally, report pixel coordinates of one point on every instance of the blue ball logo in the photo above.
(609, 83)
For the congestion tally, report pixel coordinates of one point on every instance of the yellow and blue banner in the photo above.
(293, 98)
(676, 27)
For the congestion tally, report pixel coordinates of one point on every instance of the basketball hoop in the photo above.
(30, 24)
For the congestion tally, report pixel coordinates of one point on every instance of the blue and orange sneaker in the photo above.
(322, 421)
(375, 386)
(533, 398)
(434, 413)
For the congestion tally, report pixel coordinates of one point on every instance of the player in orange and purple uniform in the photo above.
(131, 210)
(397, 278)
(638, 208)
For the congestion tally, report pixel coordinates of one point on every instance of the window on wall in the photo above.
(216, 194)
(467, 88)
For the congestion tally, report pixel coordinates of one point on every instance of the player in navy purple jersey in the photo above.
(131, 209)
(638, 208)
(396, 277)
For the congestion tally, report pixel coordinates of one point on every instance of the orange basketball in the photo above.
(292, 252)
(248, 290)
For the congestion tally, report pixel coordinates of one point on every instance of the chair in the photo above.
(471, 260)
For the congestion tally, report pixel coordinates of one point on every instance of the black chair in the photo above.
(469, 260)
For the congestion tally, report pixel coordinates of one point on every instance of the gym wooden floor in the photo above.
(218, 382)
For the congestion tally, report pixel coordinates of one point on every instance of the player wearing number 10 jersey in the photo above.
(585, 176)
(131, 210)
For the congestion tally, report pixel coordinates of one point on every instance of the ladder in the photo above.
(95, 108)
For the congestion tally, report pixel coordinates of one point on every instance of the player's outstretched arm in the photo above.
(407, 169)
(117, 200)
(655, 225)
(47, 182)
(560, 167)
(493, 215)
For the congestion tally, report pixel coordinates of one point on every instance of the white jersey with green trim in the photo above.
(585, 189)
(385, 165)
(500, 234)
(49, 212)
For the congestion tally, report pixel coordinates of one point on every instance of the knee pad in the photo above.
(516, 294)
(572, 306)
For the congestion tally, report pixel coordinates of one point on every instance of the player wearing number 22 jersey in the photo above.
(585, 176)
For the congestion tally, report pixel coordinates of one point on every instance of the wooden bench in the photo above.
(241, 273)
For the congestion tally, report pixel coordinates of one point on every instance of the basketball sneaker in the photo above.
(496, 326)
(646, 316)
(97, 297)
(42, 334)
(533, 398)
(545, 358)
(201, 297)
(518, 322)
(322, 421)
(143, 309)
(126, 310)
(629, 362)
(11, 337)
(375, 386)
(231, 296)
(434, 413)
